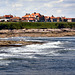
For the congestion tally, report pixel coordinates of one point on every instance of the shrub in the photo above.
(36, 25)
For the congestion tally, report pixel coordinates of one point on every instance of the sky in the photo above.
(45, 7)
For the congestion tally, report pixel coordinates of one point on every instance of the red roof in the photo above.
(36, 14)
(1, 17)
(16, 18)
(69, 18)
(63, 17)
(8, 16)
(31, 18)
(53, 17)
(28, 18)
(46, 17)
(33, 15)
(58, 17)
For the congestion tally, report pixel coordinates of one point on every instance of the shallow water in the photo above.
(55, 57)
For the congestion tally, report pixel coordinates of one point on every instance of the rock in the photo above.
(17, 43)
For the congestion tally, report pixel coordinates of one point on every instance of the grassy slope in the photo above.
(36, 25)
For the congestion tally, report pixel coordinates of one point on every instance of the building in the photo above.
(64, 19)
(53, 19)
(15, 19)
(73, 19)
(7, 16)
(47, 19)
(59, 19)
(34, 17)
(28, 18)
(69, 19)
(4, 20)
(1, 17)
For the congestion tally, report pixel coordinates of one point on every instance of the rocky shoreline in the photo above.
(37, 33)
(5, 43)
(32, 33)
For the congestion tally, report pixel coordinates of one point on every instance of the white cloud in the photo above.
(69, 5)
(45, 7)
(48, 5)
(59, 11)
(59, 1)
(26, 0)
(52, 3)
(17, 5)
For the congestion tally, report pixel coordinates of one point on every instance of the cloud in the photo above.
(69, 5)
(45, 7)
(59, 1)
(48, 5)
(52, 3)
(59, 11)
(17, 5)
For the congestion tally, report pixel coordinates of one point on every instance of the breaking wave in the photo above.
(35, 51)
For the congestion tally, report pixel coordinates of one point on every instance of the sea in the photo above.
(56, 56)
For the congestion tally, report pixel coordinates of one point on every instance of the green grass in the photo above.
(36, 25)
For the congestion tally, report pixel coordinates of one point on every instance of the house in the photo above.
(64, 19)
(1, 17)
(38, 17)
(28, 18)
(53, 19)
(4, 20)
(34, 17)
(47, 19)
(42, 18)
(69, 19)
(7, 16)
(15, 19)
(73, 19)
(59, 19)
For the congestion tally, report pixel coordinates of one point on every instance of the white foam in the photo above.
(4, 62)
(29, 51)
(46, 45)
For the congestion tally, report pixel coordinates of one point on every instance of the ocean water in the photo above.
(55, 57)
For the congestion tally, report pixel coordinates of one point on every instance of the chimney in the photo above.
(34, 12)
(27, 13)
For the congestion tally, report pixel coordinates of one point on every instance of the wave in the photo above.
(34, 51)
(46, 45)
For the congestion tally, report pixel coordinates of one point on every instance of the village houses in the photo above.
(35, 17)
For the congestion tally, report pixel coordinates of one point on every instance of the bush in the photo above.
(36, 25)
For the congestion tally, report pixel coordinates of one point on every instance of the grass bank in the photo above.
(36, 25)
